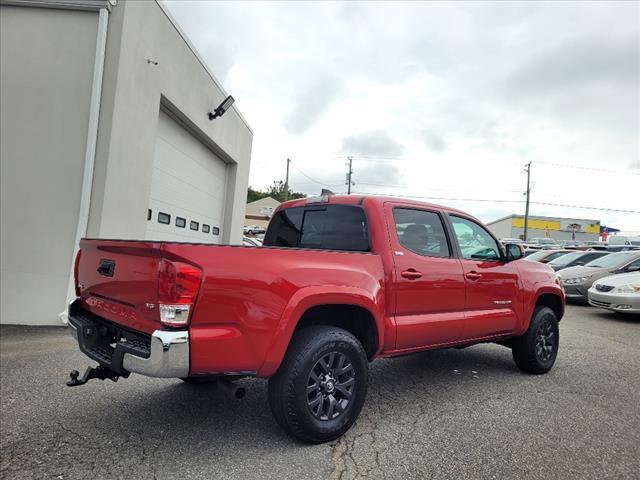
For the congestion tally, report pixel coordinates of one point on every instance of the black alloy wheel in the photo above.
(545, 340)
(320, 387)
(536, 350)
(330, 386)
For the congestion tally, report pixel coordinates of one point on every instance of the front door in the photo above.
(429, 281)
(492, 284)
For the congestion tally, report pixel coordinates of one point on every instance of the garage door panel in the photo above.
(184, 190)
(186, 213)
(188, 181)
(173, 162)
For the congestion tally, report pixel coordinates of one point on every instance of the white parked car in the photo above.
(620, 293)
(253, 229)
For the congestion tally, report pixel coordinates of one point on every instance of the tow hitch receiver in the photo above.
(99, 372)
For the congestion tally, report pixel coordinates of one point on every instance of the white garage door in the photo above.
(187, 188)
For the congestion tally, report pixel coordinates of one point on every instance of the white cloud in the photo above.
(460, 95)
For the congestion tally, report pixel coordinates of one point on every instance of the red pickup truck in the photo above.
(340, 281)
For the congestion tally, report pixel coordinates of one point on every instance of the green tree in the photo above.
(277, 191)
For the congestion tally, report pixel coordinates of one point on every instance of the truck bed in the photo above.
(243, 297)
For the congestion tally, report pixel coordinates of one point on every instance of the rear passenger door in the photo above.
(492, 286)
(428, 279)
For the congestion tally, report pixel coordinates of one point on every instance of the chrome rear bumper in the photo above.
(165, 353)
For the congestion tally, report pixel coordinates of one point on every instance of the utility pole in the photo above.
(526, 210)
(349, 173)
(286, 182)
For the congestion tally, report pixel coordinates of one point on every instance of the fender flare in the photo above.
(549, 290)
(313, 296)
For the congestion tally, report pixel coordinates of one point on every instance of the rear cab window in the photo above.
(326, 227)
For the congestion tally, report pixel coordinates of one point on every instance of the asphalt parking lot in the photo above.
(448, 414)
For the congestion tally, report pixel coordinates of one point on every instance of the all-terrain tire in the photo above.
(537, 349)
(320, 387)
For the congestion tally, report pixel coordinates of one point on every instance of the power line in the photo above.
(580, 167)
(540, 162)
(313, 179)
(604, 209)
(388, 185)
(587, 208)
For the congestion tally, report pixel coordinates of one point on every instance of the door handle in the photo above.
(473, 275)
(411, 274)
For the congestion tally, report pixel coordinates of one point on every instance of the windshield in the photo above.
(566, 259)
(538, 255)
(612, 261)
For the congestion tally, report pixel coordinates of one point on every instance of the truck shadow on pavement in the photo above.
(204, 412)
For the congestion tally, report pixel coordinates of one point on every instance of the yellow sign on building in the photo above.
(555, 225)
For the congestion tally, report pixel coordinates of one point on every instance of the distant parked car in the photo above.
(542, 243)
(250, 242)
(254, 229)
(545, 256)
(575, 258)
(517, 241)
(624, 240)
(592, 246)
(620, 293)
(622, 248)
(576, 281)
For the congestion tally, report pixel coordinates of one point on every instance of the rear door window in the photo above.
(421, 232)
(331, 227)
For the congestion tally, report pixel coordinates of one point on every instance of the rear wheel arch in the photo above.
(355, 319)
(321, 305)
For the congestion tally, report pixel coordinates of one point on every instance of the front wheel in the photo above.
(320, 387)
(536, 350)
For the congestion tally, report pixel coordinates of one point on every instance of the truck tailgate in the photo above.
(118, 281)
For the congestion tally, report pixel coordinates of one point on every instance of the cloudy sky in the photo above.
(446, 101)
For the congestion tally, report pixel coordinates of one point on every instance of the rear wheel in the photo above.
(536, 351)
(320, 387)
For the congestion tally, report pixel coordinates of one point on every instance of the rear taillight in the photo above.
(178, 285)
(76, 265)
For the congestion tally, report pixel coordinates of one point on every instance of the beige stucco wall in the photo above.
(46, 68)
(134, 90)
(47, 62)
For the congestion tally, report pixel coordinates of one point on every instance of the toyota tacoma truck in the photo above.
(339, 282)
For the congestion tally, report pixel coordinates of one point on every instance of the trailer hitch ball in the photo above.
(99, 372)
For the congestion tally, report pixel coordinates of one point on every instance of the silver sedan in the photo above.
(620, 293)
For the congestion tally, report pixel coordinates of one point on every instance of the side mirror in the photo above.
(579, 263)
(514, 251)
(632, 268)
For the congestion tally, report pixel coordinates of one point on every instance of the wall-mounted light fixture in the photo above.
(223, 107)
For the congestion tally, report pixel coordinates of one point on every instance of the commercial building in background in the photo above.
(552, 227)
(259, 212)
(105, 133)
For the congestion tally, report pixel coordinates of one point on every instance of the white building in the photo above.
(104, 132)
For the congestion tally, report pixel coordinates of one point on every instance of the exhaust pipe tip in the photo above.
(232, 389)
